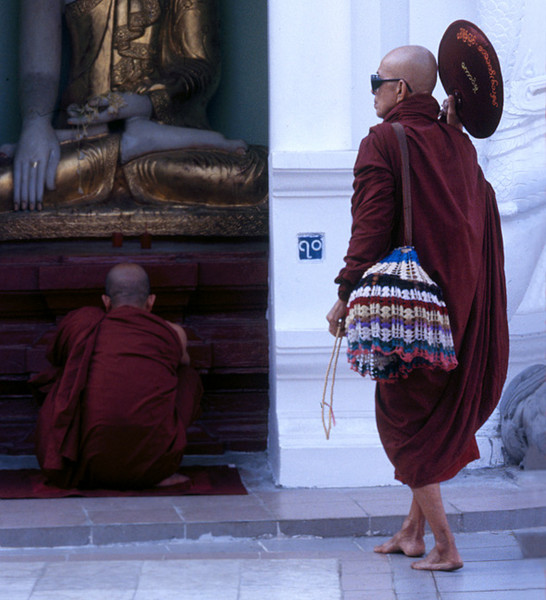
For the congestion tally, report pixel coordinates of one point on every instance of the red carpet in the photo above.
(206, 481)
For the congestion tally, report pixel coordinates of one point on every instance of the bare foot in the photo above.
(402, 542)
(142, 136)
(175, 479)
(237, 146)
(437, 561)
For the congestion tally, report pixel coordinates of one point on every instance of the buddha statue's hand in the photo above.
(112, 106)
(35, 164)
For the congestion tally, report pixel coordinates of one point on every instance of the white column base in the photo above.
(301, 455)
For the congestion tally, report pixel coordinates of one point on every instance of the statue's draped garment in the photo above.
(164, 48)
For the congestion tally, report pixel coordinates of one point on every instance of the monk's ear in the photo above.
(402, 91)
(150, 301)
(107, 302)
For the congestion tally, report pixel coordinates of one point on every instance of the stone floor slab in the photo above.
(128, 532)
(41, 537)
(191, 576)
(537, 594)
(532, 542)
(90, 594)
(495, 576)
(370, 595)
(250, 569)
(103, 575)
(310, 545)
(483, 539)
(155, 514)
(304, 579)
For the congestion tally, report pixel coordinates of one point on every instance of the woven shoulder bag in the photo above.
(397, 320)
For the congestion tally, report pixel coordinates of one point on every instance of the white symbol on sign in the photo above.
(309, 248)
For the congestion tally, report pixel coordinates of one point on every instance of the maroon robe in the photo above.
(427, 422)
(118, 402)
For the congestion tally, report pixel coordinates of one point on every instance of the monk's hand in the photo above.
(336, 317)
(35, 163)
(449, 114)
(113, 106)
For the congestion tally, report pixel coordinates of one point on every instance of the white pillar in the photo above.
(321, 54)
(310, 75)
(313, 65)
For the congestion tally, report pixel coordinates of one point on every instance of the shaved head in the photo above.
(414, 64)
(127, 284)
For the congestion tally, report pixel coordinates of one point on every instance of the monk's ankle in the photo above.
(412, 530)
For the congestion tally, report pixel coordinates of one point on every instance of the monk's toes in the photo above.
(426, 565)
(410, 548)
(382, 549)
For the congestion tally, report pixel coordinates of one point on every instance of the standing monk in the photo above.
(121, 394)
(427, 422)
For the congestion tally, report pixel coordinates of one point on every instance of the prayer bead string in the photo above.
(330, 405)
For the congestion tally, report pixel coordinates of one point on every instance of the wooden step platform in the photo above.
(216, 289)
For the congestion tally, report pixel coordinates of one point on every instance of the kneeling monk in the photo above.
(122, 393)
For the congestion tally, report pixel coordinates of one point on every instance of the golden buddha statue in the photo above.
(132, 129)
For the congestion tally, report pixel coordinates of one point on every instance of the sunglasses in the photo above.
(377, 82)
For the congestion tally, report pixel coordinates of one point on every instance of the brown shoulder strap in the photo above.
(406, 188)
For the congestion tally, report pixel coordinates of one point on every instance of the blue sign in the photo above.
(311, 246)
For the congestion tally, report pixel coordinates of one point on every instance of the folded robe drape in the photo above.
(427, 422)
(118, 401)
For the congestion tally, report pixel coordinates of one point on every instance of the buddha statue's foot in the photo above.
(142, 136)
(238, 146)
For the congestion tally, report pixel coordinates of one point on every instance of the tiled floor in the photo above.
(274, 543)
(263, 569)
(498, 499)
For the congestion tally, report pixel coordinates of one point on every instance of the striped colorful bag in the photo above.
(397, 320)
